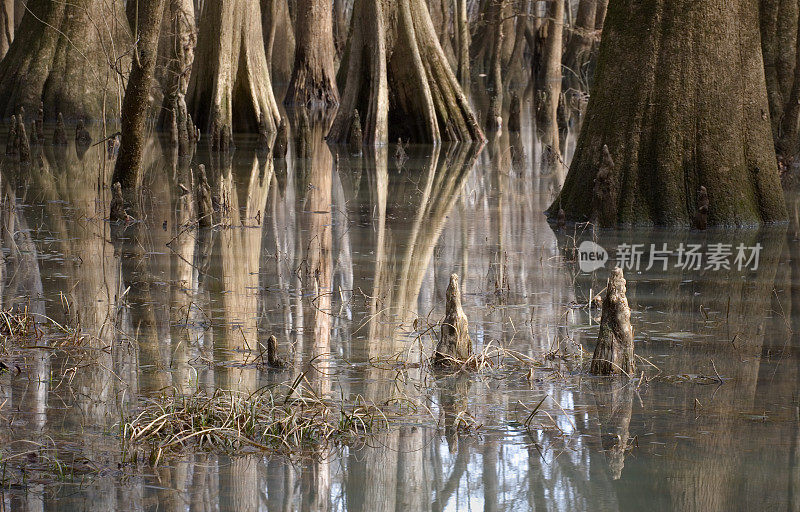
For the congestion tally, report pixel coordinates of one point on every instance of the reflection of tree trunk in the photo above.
(317, 240)
(238, 259)
(450, 486)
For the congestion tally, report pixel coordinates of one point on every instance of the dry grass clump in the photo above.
(268, 420)
(17, 323)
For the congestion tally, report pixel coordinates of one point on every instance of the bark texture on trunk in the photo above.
(135, 107)
(695, 114)
(551, 77)
(779, 23)
(6, 26)
(313, 82)
(614, 351)
(463, 37)
(580, 44)
(176, 55)
(279, 39)
(394, 52)
(65, 54)
(230, 87)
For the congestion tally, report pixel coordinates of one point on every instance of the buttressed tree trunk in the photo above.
(313, 82)
(65, 54)
(680, 100)
(146, 17)
(230, 87)
(397, 75)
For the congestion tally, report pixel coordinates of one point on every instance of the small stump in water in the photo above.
(273, 359)
(455, 345)
(614, 351)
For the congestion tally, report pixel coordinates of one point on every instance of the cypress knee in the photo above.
(273, 359)
(455, 345)
(614, 351)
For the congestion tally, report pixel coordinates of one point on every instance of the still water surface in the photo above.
(346, 260)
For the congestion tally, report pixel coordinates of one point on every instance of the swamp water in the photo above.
(346, 260)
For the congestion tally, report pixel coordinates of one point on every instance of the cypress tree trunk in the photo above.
(462, 32)
(279, 40)
(394, 47)
(147, 16)
(65, 55)
(680, 101)
(788, 141)
(230, 87)
(580, 43)
(6, 26)
(600, 17)
(176, 55)
(551, 76)
(313, 82)
(778, 22)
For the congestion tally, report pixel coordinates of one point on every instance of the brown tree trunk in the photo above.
(665, 138)
(279, 39)
(788, 142)
(462, 32)
(313, 82)
(176, 55)
(779, 24)
(230, 87)
(63, 54)
(135, 107)
(600, 17)
(394, 47)
(339, 26)
(581, 40)
(551, 76)
(6, 26)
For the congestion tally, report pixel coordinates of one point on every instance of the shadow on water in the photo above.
(346, 261)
